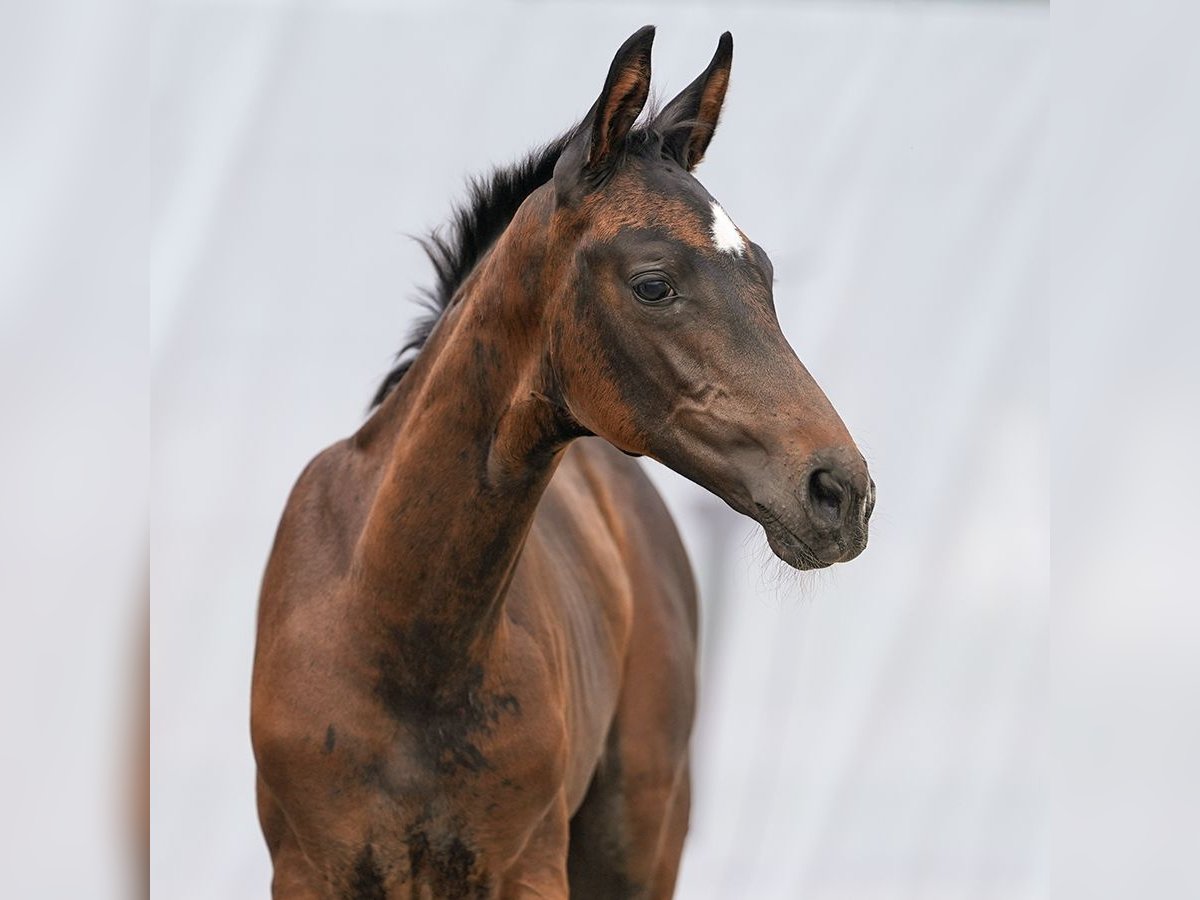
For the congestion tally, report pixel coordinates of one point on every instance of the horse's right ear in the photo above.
(597, 145)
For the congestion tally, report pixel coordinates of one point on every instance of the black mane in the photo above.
(476, 224)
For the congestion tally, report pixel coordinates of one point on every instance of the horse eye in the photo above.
(652, 290)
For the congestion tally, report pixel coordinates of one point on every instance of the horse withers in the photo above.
(475, 669)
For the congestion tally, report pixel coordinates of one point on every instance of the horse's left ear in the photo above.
(599, 141)
(689, 121)
(624, 95)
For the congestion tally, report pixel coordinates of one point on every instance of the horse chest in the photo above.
(462, 789)
(496, 738)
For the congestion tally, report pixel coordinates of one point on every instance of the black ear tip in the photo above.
(644, 35)
(725, 44)
(637, 44)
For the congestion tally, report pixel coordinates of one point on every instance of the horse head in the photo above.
(663, 334)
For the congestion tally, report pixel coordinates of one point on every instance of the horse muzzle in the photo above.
(822, 518)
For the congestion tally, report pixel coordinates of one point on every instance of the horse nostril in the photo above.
(826, 492)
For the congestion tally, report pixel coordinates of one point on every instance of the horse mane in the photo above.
(474, 226)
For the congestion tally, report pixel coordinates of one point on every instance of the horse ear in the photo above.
(621, 101)
(599, 139)
(689, 121)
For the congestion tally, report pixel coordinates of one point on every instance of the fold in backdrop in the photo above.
(875, 731)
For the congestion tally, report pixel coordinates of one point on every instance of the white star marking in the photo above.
(725, 234)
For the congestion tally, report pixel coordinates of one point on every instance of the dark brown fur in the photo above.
(475, 671)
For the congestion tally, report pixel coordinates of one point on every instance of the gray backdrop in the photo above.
(870, 732)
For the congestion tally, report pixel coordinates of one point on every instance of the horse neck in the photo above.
(471, 443)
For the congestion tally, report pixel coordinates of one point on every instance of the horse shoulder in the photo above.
(297, 650)
(653, 551)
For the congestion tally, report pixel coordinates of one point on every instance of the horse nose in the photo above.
(840, 493)
(827, 490)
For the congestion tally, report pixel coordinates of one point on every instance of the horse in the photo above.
(477, 638)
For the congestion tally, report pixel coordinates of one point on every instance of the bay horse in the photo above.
(475, 667)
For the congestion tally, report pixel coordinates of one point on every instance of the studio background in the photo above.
(874, 731)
